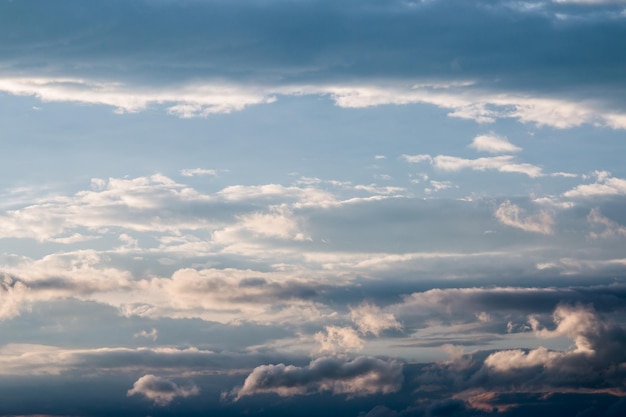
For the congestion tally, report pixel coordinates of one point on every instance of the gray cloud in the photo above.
(160, 390)
(279, 47)
(358, 376)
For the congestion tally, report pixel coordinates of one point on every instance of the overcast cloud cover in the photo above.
(308, 207)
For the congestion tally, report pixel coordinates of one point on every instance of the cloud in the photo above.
(13, 297)
(152, 334)
(593, 363)
(211, 97)
(36, 359)
(81, 59)
(415, 159)
(611, 228)
(160, 390)
(369, 318)
(512, 215)
(503, 163)
(339, 340)
(185, 102)
(198, 171)
(605, 186)
(356, 377)
(492, 143)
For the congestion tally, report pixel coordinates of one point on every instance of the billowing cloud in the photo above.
(160, 390)
(593, 363)
(369, 318)
(359, 376)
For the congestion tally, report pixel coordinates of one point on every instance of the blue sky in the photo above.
(270, 207)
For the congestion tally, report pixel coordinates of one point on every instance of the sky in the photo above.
(356, 208)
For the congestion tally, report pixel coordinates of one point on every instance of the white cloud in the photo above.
(198, 171)
(605, 185)
(369, 318)
(374, 189)
(464, 99)
(13, 297)
(279, 223)
(186, 101)
(509, 360)
(339, 340)
(580, 324)
(160, 390)
(514, 216)
(492, 143)
(134, 204)
(439, 186)
(504, 163)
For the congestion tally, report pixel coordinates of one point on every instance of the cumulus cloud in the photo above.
(593, 363)
(135, 204)
(369, 318)
(356, 377)
(160, 390)
(512, 215)
(492, 143)
(605, 186)
(339, 340)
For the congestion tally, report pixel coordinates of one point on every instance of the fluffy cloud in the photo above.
(356, 377)
(369, 318)
(338, 340)
(160, 390)
(493, 144)
(593, 363)
(605, 186)
(137, 204)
